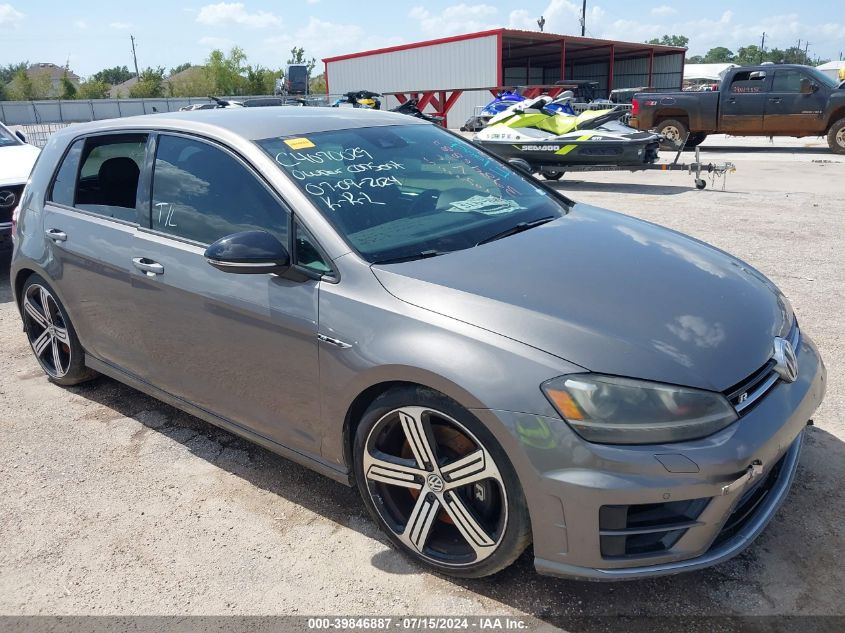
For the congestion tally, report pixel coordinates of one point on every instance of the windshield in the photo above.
(6, 137)
(403, 192)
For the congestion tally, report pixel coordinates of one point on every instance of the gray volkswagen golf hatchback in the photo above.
(490, 363)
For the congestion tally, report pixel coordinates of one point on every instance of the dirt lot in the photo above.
(113, 503)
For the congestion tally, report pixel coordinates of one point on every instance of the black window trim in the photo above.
(84, 137)
(148, 176)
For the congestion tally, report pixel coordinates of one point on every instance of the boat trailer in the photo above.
(697, 168)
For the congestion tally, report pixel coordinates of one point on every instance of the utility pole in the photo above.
(135, 57)
(762, 47)
(583, 18)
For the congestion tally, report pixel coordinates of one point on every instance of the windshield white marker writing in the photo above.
(347, 184)
(347, 197)
(292, 159)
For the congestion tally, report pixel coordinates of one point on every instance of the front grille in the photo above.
(9, 198)
(745, 394)
(748, 504)
(646, 529)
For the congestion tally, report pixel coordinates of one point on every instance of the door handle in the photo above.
(148, 266)
(775, 99)
(732, 100)
(56, 235)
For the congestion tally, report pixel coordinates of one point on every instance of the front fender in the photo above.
(392, 341)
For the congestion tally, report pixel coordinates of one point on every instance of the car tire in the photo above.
(836, 137)
(674, 133)
(51, 334)
(460, 511)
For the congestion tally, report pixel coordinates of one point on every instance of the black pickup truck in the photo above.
(767, 100)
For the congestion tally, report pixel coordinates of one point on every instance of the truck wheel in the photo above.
(836, 137)
(673, 132)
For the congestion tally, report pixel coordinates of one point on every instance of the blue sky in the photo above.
(94, 35)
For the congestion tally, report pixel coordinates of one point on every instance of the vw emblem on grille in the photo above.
(7, 199)
(435, 483)
(786, 364)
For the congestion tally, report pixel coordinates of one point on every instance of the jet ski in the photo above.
(549, 141)
(507, 98)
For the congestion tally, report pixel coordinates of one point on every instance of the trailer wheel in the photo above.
(700, 184)
(553, 175)
(673, 131)
(836, 137)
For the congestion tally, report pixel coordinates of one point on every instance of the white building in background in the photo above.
(503, 57)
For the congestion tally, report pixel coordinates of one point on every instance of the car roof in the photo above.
(256, 123)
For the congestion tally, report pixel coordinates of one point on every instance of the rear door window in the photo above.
(108, 176)
(749, 82)
(202, 193)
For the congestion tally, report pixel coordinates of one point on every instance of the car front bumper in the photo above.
(604, 512)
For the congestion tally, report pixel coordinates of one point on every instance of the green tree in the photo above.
(297, 56)
(318, 85)
(719, 55)
(113, 76)
(68, 87)
(8, 72)
(695, 59)
(225, 72)
(178, 69)
(680, 41)
(93, 89)
(749, 56)
(26, 86)
(150, 84)
(259, 81)
(194, 82)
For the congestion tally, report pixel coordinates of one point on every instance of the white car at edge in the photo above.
(16, 161)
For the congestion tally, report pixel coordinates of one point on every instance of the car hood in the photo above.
(610, 293)
(16, 162)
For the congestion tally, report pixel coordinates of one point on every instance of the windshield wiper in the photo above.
(519, 228)
(409, 258)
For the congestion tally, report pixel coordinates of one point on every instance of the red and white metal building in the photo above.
(502, 57)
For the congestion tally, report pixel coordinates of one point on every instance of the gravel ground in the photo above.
(113, 503)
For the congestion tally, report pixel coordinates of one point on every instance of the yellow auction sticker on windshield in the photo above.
(299, 143)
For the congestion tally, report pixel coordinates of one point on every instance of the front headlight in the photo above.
(611, 410)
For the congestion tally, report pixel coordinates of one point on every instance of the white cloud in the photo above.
(120, 26)
(459, 18)
(80, 24)
(321, 39)
(9, 16)
(228, 13)
(664, 9)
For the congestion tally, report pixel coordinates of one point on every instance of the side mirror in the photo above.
(521, 165)
(808, 87)
(249, 252)
(20, 135)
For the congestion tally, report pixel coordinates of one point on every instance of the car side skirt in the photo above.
(332, 471)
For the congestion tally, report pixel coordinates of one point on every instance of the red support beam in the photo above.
(562, 60)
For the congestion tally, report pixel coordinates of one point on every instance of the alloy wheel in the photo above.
(671, 133)
(435, 486)
(47, 331)
(840, 137)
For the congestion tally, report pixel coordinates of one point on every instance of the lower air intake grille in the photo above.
(650, 528)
